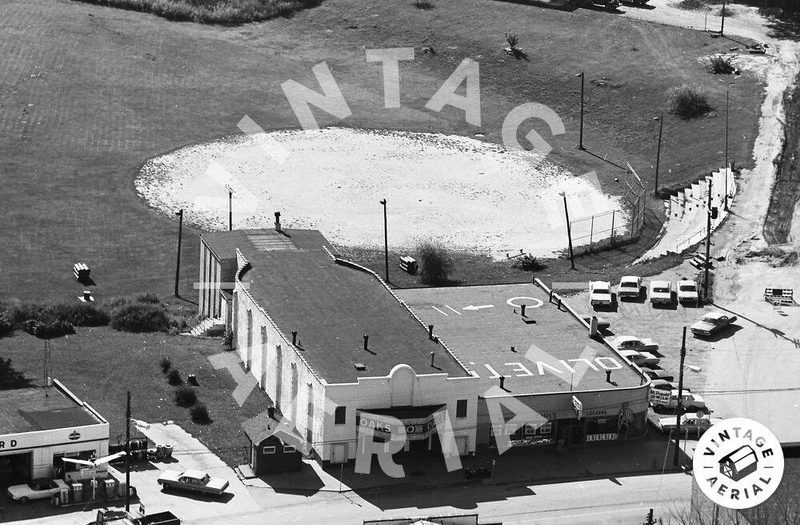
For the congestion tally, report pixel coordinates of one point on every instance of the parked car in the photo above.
(663, 384)
(691, 423)
(711, 323)
(669, 400)
(661, 292)
(629, 342)
(639, 358)
(600, 293)
(656, 372)
(630, 286)
(36, 489)
(192, 480)
(687, 292)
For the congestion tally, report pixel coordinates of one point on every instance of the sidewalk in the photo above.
(515, 466)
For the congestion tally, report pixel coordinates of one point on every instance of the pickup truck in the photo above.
(669, 399)
(600, 294)
(193, 481)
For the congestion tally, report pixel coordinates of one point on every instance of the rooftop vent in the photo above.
(360, 366)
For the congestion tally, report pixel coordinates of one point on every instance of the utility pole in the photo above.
(580, 140)
(679, 408)
(180, 238)
(722, 28)
(385, 240)
(569, 232)
(230, 208)
(128, 454)
(660, 120)
(727, 93)
(708, 241)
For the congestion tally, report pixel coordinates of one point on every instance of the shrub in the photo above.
(185, 396)
(692, 5)
(19, 312)
(227, 338)
(174, 377)
(165, 364)
(10, 377)
(81, 314)
(57, 328)
(199, 414)
(148, 298)
(512, 39)
(528, 263)
(139, 318)
(721, 65)
(5, 325)
(687, 101)
(435, 264)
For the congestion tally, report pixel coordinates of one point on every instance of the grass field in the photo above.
(100, 365)
(88, 93)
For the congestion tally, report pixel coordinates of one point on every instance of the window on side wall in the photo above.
(268, 450)
(461, 408)
(340, 416)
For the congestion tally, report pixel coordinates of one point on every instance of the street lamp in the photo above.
(230, 207)
(580, 140)
(179, 213)
(569, 231)
(385, 240)
(679, 407)
(727, 95)
(660, 120)
(709, 213)
(722, 28)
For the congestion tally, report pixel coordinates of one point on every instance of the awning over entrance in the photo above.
(419, 422)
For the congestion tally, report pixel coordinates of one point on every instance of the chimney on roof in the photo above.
(271, 412)
(366, 342)
(294, 337)
(502, 382)
(430, 332)
(432, 357)
(523, 309)
(277, 221)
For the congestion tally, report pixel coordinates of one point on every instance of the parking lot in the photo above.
(749, 370)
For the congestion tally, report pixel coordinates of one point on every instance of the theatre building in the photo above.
(337, 350)
(38, 426)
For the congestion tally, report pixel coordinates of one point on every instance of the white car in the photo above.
(600, 293)
(630, 286)
(629, 342)
(687, 292)
(661, 292)
(36, 489)
(639, 358)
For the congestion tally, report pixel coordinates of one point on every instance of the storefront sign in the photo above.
(12, 443)
(532, 441)
(415, 429)
(601, 437)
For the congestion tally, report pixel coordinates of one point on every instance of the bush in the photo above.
(227, 338)
(57, 328)
(528, 263)
(165, 364)
(148, 298)
(18, 312)
(435, 264)
(5, 325)
(139, 318)
(692, 5)
(81, 314)
(10, 377)
(185, 396)
(199, 414)
(687, 101)
(721, 65)
(174, 377)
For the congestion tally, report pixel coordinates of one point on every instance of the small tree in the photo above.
(435, 263)
(174, 377)
(166, 364)
(185, 396)
(687, 101)
(199, 414)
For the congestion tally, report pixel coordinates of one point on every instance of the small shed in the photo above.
(274, 447)
(739, 463)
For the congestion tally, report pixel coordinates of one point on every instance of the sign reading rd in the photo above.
(11, 444)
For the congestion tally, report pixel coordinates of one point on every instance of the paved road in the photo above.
(619, 501)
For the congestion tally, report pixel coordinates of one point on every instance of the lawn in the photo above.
(99, 365)
(88, 93)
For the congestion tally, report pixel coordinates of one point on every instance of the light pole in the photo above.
(580, 140)
(385, 240)
(660, 120)
(722, 28)
(230, 207)
(727, 94)
(569, 232)
(179, 213)
(708, 241)
(679, 407)
(128, 453)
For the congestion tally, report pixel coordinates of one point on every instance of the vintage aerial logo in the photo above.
(738, 463)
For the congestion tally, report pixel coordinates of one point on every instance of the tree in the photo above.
(10, 377)
(435, 263)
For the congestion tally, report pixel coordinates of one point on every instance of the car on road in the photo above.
(711, 323)
(600, 294)
(36, 489)
(656, 372)
(687, 292)
(691, 423)
(193, 481)
(629, 342)
(661, 292)
(639, 358)
(630, 286)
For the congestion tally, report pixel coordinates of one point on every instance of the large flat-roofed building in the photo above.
(332, 345)
(38, 426)
(545, 359)
(336, 349)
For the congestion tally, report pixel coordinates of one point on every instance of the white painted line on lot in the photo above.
(473, 308)
(535, 303)
(441, 312)
(453, 309)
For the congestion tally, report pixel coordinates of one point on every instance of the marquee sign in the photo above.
(415, 428)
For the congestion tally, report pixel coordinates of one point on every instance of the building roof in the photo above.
(225, 244)
(482, 323)
(332, 305)
(262, 426)
(33, 409)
